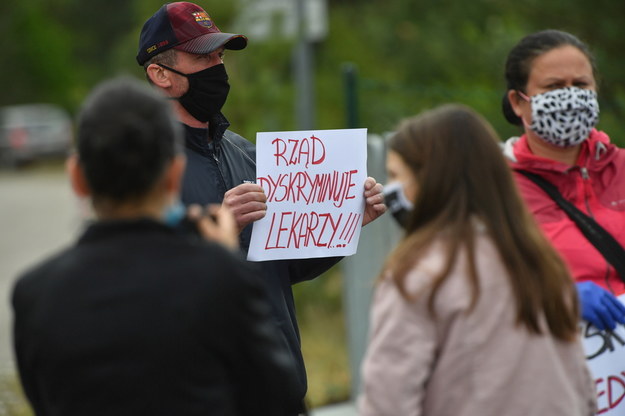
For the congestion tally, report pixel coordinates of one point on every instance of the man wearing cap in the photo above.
(181, 50)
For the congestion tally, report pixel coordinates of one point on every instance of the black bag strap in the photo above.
(596, 234)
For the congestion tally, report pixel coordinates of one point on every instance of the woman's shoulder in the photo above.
(435, 258)
(456, 291)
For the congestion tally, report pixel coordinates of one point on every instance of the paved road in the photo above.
(38, 215)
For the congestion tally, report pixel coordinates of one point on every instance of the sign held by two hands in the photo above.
(314, 183)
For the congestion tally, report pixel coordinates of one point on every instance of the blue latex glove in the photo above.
(600, 307)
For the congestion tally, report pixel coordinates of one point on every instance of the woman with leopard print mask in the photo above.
(551, 93)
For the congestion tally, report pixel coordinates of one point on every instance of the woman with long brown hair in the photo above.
(475, 313)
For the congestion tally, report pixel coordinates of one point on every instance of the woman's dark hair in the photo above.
(462, 176)
(520, 58)
(127, 133)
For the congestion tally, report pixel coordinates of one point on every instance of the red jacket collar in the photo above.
(593, 151)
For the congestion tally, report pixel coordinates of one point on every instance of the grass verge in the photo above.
(322, 328)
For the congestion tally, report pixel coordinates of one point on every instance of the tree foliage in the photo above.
(410, 55)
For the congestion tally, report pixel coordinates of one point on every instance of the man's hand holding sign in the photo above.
(247, 202)
(313, 183)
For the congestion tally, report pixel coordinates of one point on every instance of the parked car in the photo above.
(33, 131)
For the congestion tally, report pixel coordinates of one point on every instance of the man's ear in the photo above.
(77, 176)
(158, 75)
(174, 173)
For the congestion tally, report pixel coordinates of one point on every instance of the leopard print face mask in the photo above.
(564, 117)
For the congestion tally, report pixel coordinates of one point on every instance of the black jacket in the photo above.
(219, 165)
(137, 320)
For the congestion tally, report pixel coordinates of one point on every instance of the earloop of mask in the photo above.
(526, 98)
(175, 71)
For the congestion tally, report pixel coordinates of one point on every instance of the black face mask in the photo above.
(207, 93)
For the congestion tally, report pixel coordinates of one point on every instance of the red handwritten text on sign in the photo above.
(293, 229)
(313, 182)
(301, 187)
(299, 151)
(610, 392)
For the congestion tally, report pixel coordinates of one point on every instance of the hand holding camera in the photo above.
(215, 223)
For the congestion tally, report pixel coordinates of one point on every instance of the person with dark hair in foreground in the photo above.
(475, 314)
(137, 318)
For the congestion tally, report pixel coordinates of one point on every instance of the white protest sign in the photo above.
(314, 183)
(605, 354)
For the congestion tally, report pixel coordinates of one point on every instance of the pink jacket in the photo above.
(475, 364)
(596, 185)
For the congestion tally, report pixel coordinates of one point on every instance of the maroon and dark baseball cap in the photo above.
(186, 27)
